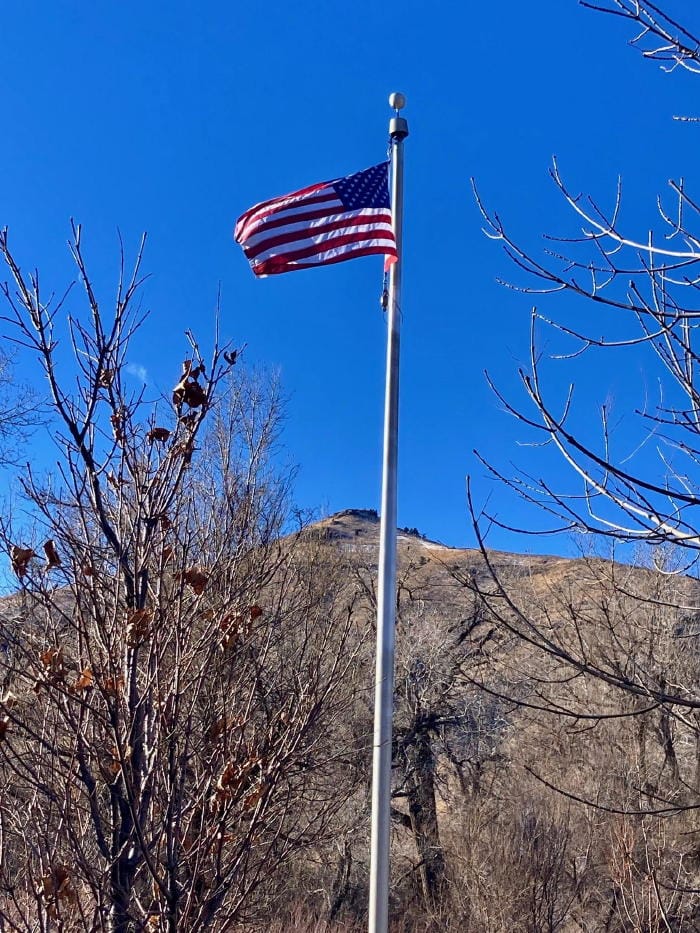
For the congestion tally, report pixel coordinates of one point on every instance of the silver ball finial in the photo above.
(397, 101)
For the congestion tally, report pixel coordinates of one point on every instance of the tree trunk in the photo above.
(424, 821)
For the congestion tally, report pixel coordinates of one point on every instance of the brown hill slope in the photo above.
(547, 751)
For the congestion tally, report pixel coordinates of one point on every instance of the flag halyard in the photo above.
(320, 224)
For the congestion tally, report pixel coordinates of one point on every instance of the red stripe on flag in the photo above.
(278, 264)
(344, 240)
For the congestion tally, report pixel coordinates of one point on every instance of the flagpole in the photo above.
(386, 594)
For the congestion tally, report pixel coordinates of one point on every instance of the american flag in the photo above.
(324, 223)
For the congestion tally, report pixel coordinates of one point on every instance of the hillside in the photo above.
(356, 531)
(543, 772)
(546, 744)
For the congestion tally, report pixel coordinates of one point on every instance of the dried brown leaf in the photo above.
(54, 666)
(113, 686)
(113, 763)
(229, 621)
(188, 391)
(233, 628)
(219, 728)
(52, 558)
(252, 799)
(118, 420)
(195, 578)
(189, 369)
(85, 680)
(138, 626)
(56, 885)
(184, 449)
(20, 557)
(230, 782)
(158, 434)
(189, 421)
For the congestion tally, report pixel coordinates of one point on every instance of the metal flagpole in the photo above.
(386, 595)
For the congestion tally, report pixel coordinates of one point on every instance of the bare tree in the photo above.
(172, 680)
(653, 278)
(612, 654)
(659, 35)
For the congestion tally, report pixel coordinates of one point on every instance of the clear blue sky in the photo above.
(174, 117)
